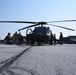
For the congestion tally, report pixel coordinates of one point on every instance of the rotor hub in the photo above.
(42, 23)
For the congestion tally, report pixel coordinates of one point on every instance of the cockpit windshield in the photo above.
(42, 30)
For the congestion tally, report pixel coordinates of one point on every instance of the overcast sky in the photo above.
(37, 10)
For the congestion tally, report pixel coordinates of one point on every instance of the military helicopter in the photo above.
(40, 34)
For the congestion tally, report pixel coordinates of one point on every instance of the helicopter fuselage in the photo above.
(39, 35)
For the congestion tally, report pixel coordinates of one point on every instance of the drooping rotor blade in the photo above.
(62, 21)
(18, 22)
(28, 27)
(61, 27)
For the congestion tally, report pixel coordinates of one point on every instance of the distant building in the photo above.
(70, 39)
(1, 41)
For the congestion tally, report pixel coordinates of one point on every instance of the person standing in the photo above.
(51, 39)
(8, 38)
(54, 39)
(61, 38)
(20, 38)
(15, 38)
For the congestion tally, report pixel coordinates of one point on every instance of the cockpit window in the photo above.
(42, 30)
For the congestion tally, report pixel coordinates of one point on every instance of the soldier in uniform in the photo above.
(51, 39)
(54, 39)
(8, 39)
(20, 38)
(15, 38)
(61, 38)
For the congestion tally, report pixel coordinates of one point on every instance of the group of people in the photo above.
(15, 39)
(53, 39)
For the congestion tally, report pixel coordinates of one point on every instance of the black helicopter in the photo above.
(40, 34)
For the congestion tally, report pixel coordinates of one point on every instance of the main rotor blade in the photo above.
(18, 22)
(62, 21)
(61, 27)
(28, 27)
